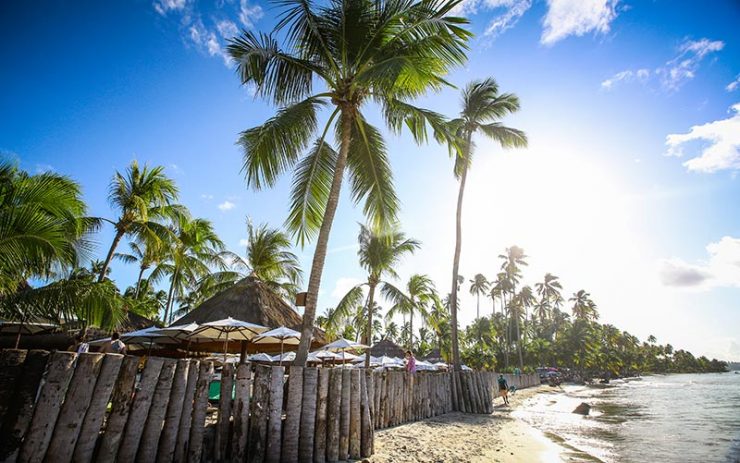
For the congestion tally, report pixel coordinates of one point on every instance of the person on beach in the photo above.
(410, 362)
(79, 346)
(503, 388)
(116, 346)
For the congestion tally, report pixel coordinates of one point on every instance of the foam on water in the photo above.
(660, 418)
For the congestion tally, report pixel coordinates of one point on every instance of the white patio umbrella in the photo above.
(342, 345)
(286, 357)
(228, 327)
(146, 336)
(261, 357)
(282, 335)
(178, 331)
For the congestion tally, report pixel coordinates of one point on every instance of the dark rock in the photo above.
(583, 409)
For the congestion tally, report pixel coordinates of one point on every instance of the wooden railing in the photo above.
(62, 407)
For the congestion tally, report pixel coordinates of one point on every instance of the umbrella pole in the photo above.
(281, 351)
(243, 355)
(226, 346)
(149, 354)
(18, 336)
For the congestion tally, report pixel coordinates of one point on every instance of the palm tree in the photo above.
(497, 290)
(143, 196)
(549, 291)
(388, 52)
(519, 305)
(483, 107)
(195, 250)
(583, 307)
(146, 253)
(478, 285)
(379, 253)
(438, 319)
(420, 293)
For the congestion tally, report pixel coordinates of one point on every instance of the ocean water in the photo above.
(662, 418)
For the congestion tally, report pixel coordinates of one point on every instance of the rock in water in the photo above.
(583, 409)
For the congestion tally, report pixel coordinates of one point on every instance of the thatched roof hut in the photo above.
(434, 356)
(388, 348)
(250, 300)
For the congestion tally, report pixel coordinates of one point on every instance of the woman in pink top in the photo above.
(410, 362)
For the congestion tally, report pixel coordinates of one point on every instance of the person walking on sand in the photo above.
(116, 346)
(503, 388)
(410, 362)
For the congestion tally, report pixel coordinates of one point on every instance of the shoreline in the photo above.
(458, 437)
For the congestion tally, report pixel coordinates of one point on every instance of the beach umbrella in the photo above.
(146, 336)
(178, 331)
(225, 329)
(342, 345)
(261, 358)
(286, 357)
(20, 328)
(282, 335)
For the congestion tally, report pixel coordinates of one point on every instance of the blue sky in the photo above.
(628, 188)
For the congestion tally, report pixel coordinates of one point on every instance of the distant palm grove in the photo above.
(323, 68)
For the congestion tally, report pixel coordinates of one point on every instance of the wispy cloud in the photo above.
(734, 85)
(43, 168)
(505, 21)
(209, 33)
(226, 206)
(721, 140)
(206, 196)
(343, 285)
(675, 72)
(721, 269)
(243, 243)
(576, 17)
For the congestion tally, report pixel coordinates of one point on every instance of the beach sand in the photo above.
(458, 437)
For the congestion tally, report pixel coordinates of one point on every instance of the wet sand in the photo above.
(458, 438)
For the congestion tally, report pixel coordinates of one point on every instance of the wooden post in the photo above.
(140, 409)
(155, 419)
(121, 400)
(355, 414)
(345, 414)
(308, 415)
(11, 365)
(366, 424)
(292, 428)
(200, 407)
(224, 412)
(48, 406)
(258, 422)
(241, 413)
(186, 415)
(166, 450)
(333, 417)
(275, 420)
(67, 427)
(20, 410)
(319, 443)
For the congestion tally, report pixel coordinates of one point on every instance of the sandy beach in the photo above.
(458, 437)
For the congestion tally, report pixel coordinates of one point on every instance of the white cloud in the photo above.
(625, 76)
(684, 66)
(508, 19)
(722, 144)
(164, 6)
(243, 242)
(734, 85)
(576, 17)
(722, 269)
(44, 168)
(249, 14)
(206, 196)
(343, 285)
(227, 29)
(226, 206)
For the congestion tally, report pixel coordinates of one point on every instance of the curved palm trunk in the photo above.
(170, 297)
(456, 268)
(319, 256)
(519, 343)
(138, 281)
(111, 251)
(369, 332)
(411, 329)
(477, 306)
(507, 326)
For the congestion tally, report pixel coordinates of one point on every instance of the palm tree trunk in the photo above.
(477, 306)
(319, 256)
(456, 266)
(519, 343)
(111, 251)
(169, 296)
(138, 281)
(411, 329)
(506, 330)
(369, 333)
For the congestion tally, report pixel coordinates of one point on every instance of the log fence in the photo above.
(64, 407)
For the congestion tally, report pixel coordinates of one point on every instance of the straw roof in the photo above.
(250, 300)
(388, 348)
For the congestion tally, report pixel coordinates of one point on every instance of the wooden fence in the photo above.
(104, 407)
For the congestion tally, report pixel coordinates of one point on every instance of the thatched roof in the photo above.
(434, 356)
(250, 300)
(388, 348)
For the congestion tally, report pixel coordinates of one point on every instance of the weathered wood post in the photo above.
(320, 437)
(224, 412)
(121, 400)
(11, 366)
(355, 415)
(275, 421)
(241, 413)
(292, 425)
(186, 414)
(155, 419)
(257, 442)
(48, 406)
(166, 450)
(366, 425)
(333, 416)
(308, 415)
(200, 407)
(344, 418)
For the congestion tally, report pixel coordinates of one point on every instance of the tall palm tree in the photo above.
(194, 252)
(549, 291)
(483, 107)
(478, 285)
(418, 296)
(379, 253)
(497, 290)
(360, 51)
(143, 196)
(584, 307)
(144, 252)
